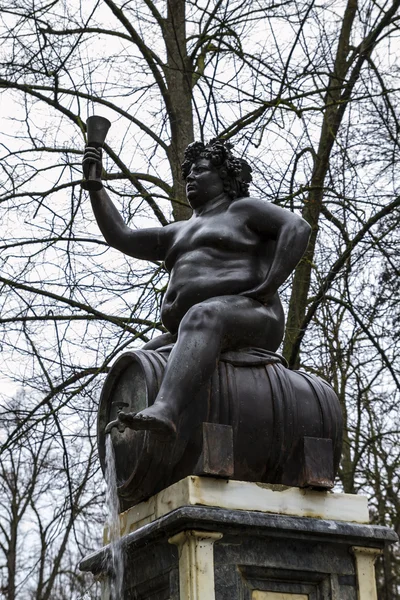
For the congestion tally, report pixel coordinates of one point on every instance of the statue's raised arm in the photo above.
(148, 244)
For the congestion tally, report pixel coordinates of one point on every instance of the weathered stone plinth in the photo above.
(213, 539)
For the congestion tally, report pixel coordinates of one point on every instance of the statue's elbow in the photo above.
(297, 232)
(116, 235)
(110, 237)
(305, 232)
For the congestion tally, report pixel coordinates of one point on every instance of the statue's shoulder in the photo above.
(174, 225)
(172, 228)
(250, 204)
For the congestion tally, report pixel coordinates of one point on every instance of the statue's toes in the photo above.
(127, 418)
(147, 420)
(158, 424)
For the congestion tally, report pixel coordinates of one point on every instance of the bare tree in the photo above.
(309, 92)
(48, 506)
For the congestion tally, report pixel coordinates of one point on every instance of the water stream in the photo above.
(112, 507)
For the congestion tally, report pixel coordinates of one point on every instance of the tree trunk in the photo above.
(347, 463)
(12, 555)
(179, 83)
(313, 204)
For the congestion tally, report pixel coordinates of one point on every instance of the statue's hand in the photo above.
(91, 157)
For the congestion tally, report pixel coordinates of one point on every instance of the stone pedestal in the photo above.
(213, 539)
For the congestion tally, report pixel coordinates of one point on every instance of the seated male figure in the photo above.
(226, 264)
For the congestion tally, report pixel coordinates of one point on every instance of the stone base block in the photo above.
(211, 539)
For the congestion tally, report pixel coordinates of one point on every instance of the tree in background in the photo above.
(309, 92)
(48, 507)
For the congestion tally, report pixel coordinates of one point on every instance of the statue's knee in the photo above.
(201, 317)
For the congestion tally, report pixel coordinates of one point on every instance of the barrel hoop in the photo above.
(142, 469)
(222, 401)
(139, 471)
(151, 376)
(214, 408)
(291, 405)
(251, 357)
(103, 415)
(283, 403)
(142, 476)
(159, 362)
(233, 404)
(324, 402)
(276, 446)
(334, 425)
(331, 402)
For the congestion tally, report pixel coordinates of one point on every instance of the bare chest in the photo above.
(224, 233)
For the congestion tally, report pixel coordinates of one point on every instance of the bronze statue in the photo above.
(226, 264)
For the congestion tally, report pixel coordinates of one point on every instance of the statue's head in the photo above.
(235, 172)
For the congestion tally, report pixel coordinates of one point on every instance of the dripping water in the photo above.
(112, 507)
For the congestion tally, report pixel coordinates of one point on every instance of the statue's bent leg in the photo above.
(218, 324)
(161, 340)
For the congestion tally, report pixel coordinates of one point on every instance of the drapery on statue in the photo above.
(226, 264)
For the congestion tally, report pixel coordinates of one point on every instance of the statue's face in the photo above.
(203, 183)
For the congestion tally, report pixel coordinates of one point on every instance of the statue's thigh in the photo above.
(246, 322)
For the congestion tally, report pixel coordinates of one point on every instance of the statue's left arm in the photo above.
(290, 234)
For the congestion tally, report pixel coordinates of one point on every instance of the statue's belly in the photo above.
(192, 282)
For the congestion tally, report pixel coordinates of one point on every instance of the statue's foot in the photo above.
(155, 418)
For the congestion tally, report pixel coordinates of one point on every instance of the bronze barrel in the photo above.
(270, 408)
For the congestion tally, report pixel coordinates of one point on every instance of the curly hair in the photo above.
(235, 172)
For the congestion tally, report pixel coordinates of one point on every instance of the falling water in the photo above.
(112, 507)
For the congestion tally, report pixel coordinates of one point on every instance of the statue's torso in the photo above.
(211, 255)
